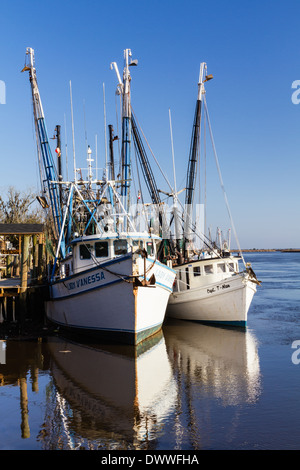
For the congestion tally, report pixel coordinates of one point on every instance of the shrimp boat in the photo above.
(105, 278)
(212, 290)
(209, 287)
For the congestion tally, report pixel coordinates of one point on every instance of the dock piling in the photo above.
(22, 271)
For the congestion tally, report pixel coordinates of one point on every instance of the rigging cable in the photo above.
(221, 181)
(152, 151)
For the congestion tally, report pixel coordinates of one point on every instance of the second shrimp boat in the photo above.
(209, 287)
(106, 278)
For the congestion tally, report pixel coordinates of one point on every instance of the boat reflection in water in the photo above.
(113, 395)
(223, 361)
(159, 393)
(184, 388)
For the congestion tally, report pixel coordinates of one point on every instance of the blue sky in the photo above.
(251, 48)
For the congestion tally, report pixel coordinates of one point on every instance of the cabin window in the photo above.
(231, 266)
(209, 269)
(221, 268)
(120, 247)
(101, 249)
(149, 248)
(85, 251)
(197, 271)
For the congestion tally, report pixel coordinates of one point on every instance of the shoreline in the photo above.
(266, 250)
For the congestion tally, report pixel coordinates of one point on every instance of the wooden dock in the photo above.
(9, 298)
(22, 267)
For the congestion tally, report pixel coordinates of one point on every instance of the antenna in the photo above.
(74, 160)
(175, 189)
(104, 109)
(85, 132)
(96, 152)
(67, 175)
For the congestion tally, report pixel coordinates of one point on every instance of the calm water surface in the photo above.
(191, 387)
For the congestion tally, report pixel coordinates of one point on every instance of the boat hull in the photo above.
(224, 302)
(105, 301)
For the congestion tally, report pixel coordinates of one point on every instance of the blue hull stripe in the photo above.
(117, 281)
(241, 324)
(99, 266)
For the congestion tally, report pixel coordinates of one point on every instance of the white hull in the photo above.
(223, 360)
(99, 301)
(225, 301)
(123, 392)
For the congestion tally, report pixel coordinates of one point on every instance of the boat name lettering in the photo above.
(216, 288)
(86, 280)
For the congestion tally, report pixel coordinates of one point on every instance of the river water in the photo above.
(191, 387)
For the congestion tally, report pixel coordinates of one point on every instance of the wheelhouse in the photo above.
(90, 251)
(196, 273)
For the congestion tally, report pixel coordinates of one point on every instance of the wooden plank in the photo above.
(9, 283)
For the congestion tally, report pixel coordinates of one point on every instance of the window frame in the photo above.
(221, 268)
(123, 252)
(206, 266)
(88, 249)
(107, 249)
(197, 271)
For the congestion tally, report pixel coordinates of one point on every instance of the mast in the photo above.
(124, 90)
(126, 129)
(193, 156)
(59, 165)
(49, 173)
(89, 160)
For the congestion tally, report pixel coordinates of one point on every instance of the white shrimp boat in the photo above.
(106, 276)
(212, 291)
(209, 287)
(117, 294)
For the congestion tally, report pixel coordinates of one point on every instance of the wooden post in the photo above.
(40, 260)
(35, 248)
(30, 259)
(24, 273)
(2, 310)
(14, 308)
(24, 408)
(8, 266)
(19, 257)
(24, 262)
